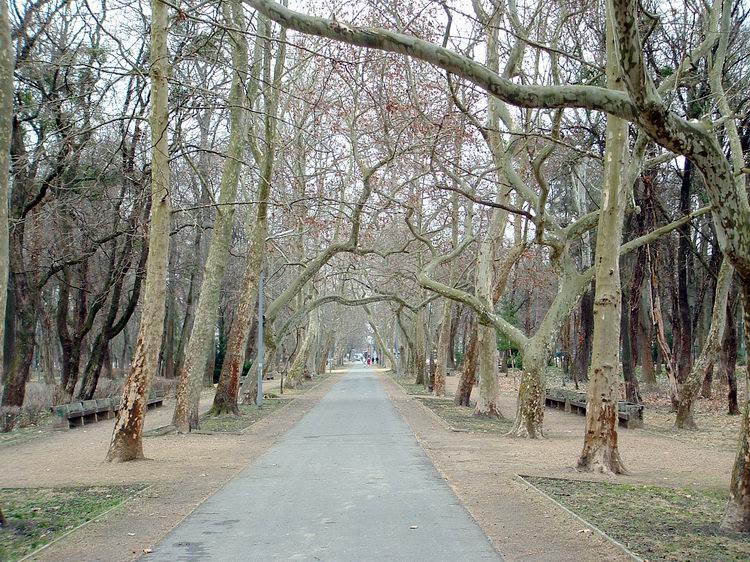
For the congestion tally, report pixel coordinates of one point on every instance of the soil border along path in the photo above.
(183, 471)
(521, 524)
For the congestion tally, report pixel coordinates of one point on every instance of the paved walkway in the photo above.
(348, 483)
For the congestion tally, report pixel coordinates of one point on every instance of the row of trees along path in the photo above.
(382, 182)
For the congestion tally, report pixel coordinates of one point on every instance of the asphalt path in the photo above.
(348, 482)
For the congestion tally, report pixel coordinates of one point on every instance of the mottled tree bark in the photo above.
(529, 420)
(127, 437)
(444, 340)
(298, 371)
(420, 349)
(206, 311)
(6, 132)
(469, 369)
(600, 452)
(737, 513)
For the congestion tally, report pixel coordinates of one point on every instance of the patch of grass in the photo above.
(656, 523)
(407, 383)
(249, 414)
(26, 434)
(37, 516)
(460, 417)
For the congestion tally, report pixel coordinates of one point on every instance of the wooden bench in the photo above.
(78, 414)
(556, 402)
(155, 400)
(629, 415)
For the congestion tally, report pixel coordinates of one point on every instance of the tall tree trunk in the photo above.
(204, 325)
(455, 320)
(737, 513)
(684, 345)
(297, 372)
(632, 329)
(529, 418)
(127, 437)
(469, 369)
(489, 390)
(9, 327)
(729, 356)
(487, 402)
(226, 397)
(26, 298)
(711, 349)
(168, 354)
(600, 452)
(585, 333)
(645, 349)
(49, 348)
(187, 321)
(661, 336)
(6, 127)
(444, 340)
(632, 391)
(420, 349)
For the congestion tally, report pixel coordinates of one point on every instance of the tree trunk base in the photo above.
(224, 410)
(602, 459)
(736, 518)
(438, 389)
(685, 420)
(125, 451)
(526, 429)
(488, 410)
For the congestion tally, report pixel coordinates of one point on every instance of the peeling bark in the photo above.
(6, 132)
(468, 372)
(600, 452)
(127, 437)
(529, 421)
(206, 311)
(444, 340)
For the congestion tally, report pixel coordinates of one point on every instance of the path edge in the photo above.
(332, 380)
(384, 379)
(591, 526)
(85, 523)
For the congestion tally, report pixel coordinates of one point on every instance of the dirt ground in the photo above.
(183, 471)
(481, 468)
